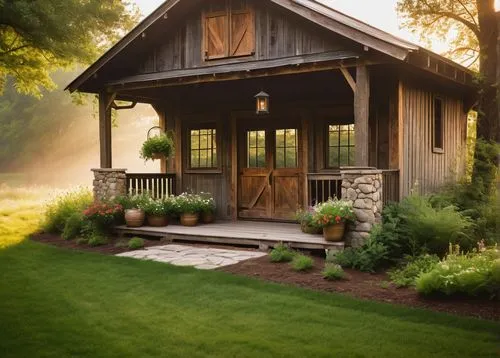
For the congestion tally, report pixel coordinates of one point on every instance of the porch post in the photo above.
(361, 114)
(105, 101)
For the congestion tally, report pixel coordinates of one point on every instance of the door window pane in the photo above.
(286, 148)
(256, 149)
(341, 145)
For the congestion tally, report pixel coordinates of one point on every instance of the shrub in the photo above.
(332, 212)
(302, 262)
(333, 272)
(369, 257)
(73, 227)
(122, 244)
(407, 275)
(136, 243)
(63, 207)
(102, 215)
(281, 253)
(97, 240)
(473, 274)
(158, 145)
(82, 241)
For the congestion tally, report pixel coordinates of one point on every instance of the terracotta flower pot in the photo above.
(157, 221)
(134, 217)
(188, 219)
(207, 218)
(334, 232)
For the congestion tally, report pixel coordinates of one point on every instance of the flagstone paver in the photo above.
(199, 257)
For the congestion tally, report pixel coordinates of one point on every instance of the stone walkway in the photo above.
(199, 257)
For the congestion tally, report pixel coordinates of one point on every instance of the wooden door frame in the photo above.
(247, 120)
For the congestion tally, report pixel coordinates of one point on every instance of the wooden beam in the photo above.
(105, 130)
(234, 170)
(361, 115)
(348, 77)
(160, 111)
(402, 172)
(178, 150)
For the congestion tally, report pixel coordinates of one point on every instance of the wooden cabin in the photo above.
(342, 94)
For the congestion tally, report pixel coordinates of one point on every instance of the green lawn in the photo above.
(57, 303)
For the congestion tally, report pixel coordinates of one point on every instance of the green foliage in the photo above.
(63, 207)
(407, 274)
(332, 212)
(281, 253)
(207, 203)
(97, 239)
(157, 145)
(302, 262)
(135, 243)
(82, 241)
(333, 272)
(121, 244)
(474, 274)
(369, 257)
(73, 227)
(154, 207)
(188, 203)
(103, 216)
(37, 37)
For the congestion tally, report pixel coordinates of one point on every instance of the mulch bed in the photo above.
(359, 284)
(363, 285)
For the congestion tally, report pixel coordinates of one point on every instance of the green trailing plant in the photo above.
(474, 274)
(63, 207)
(73, 227)
(135, 243)
(281, 253)
(161, 145)
(407, 274)
(332, 212)
(333, 272)
(302, 262)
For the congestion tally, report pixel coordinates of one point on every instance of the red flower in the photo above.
(338, 219)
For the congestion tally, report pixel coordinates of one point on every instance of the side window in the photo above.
(203, 148)
(229, 29)
(437, 126)
(340, 145)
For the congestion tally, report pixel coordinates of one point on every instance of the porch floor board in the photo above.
(251, 233)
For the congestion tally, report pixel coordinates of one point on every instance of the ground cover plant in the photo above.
(333, 272)
(302, 262)
(407, 274)
(135, 243)
(90, 305)
(281, 253)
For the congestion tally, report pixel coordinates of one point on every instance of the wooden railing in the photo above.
(321, 187)
(157, 185)
(390, 186)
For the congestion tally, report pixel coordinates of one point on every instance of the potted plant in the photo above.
(306, 221)
(332, 216)
(134, 215)
(189, 206)
(157, 147)
(156, 213)
(207, 208)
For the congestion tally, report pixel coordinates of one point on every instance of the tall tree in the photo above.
(39, 37)
(473, 26)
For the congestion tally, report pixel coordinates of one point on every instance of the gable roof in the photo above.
(312, 10)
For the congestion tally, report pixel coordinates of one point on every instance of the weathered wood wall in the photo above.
(423, 169)
(278, 34)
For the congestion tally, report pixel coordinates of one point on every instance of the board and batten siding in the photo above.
(424, 170)
(278, 34)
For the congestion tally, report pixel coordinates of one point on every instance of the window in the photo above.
(229, 29)
(203, 148)
(438, 126)
(256, 149)
(341, 145)
(286, 148)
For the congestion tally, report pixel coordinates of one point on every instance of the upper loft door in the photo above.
(269, 175)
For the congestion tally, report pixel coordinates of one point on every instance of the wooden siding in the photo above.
(423, 169)
(278, 34)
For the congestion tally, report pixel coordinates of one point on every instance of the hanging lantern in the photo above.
(262, 102)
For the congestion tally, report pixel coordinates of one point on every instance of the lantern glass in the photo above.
(262, 103)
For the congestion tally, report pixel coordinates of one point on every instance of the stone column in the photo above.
(109, 183)
(363, 188)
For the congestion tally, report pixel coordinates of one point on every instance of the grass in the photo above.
(57, 303)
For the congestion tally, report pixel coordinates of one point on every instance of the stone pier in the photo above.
(363, 188)
(109, 183)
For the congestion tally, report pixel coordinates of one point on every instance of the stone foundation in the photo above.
(109, 183)
(363, 188)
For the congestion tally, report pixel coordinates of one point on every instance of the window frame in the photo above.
(187, 137)
(326, 144)
(228, 13)
(437, 149)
